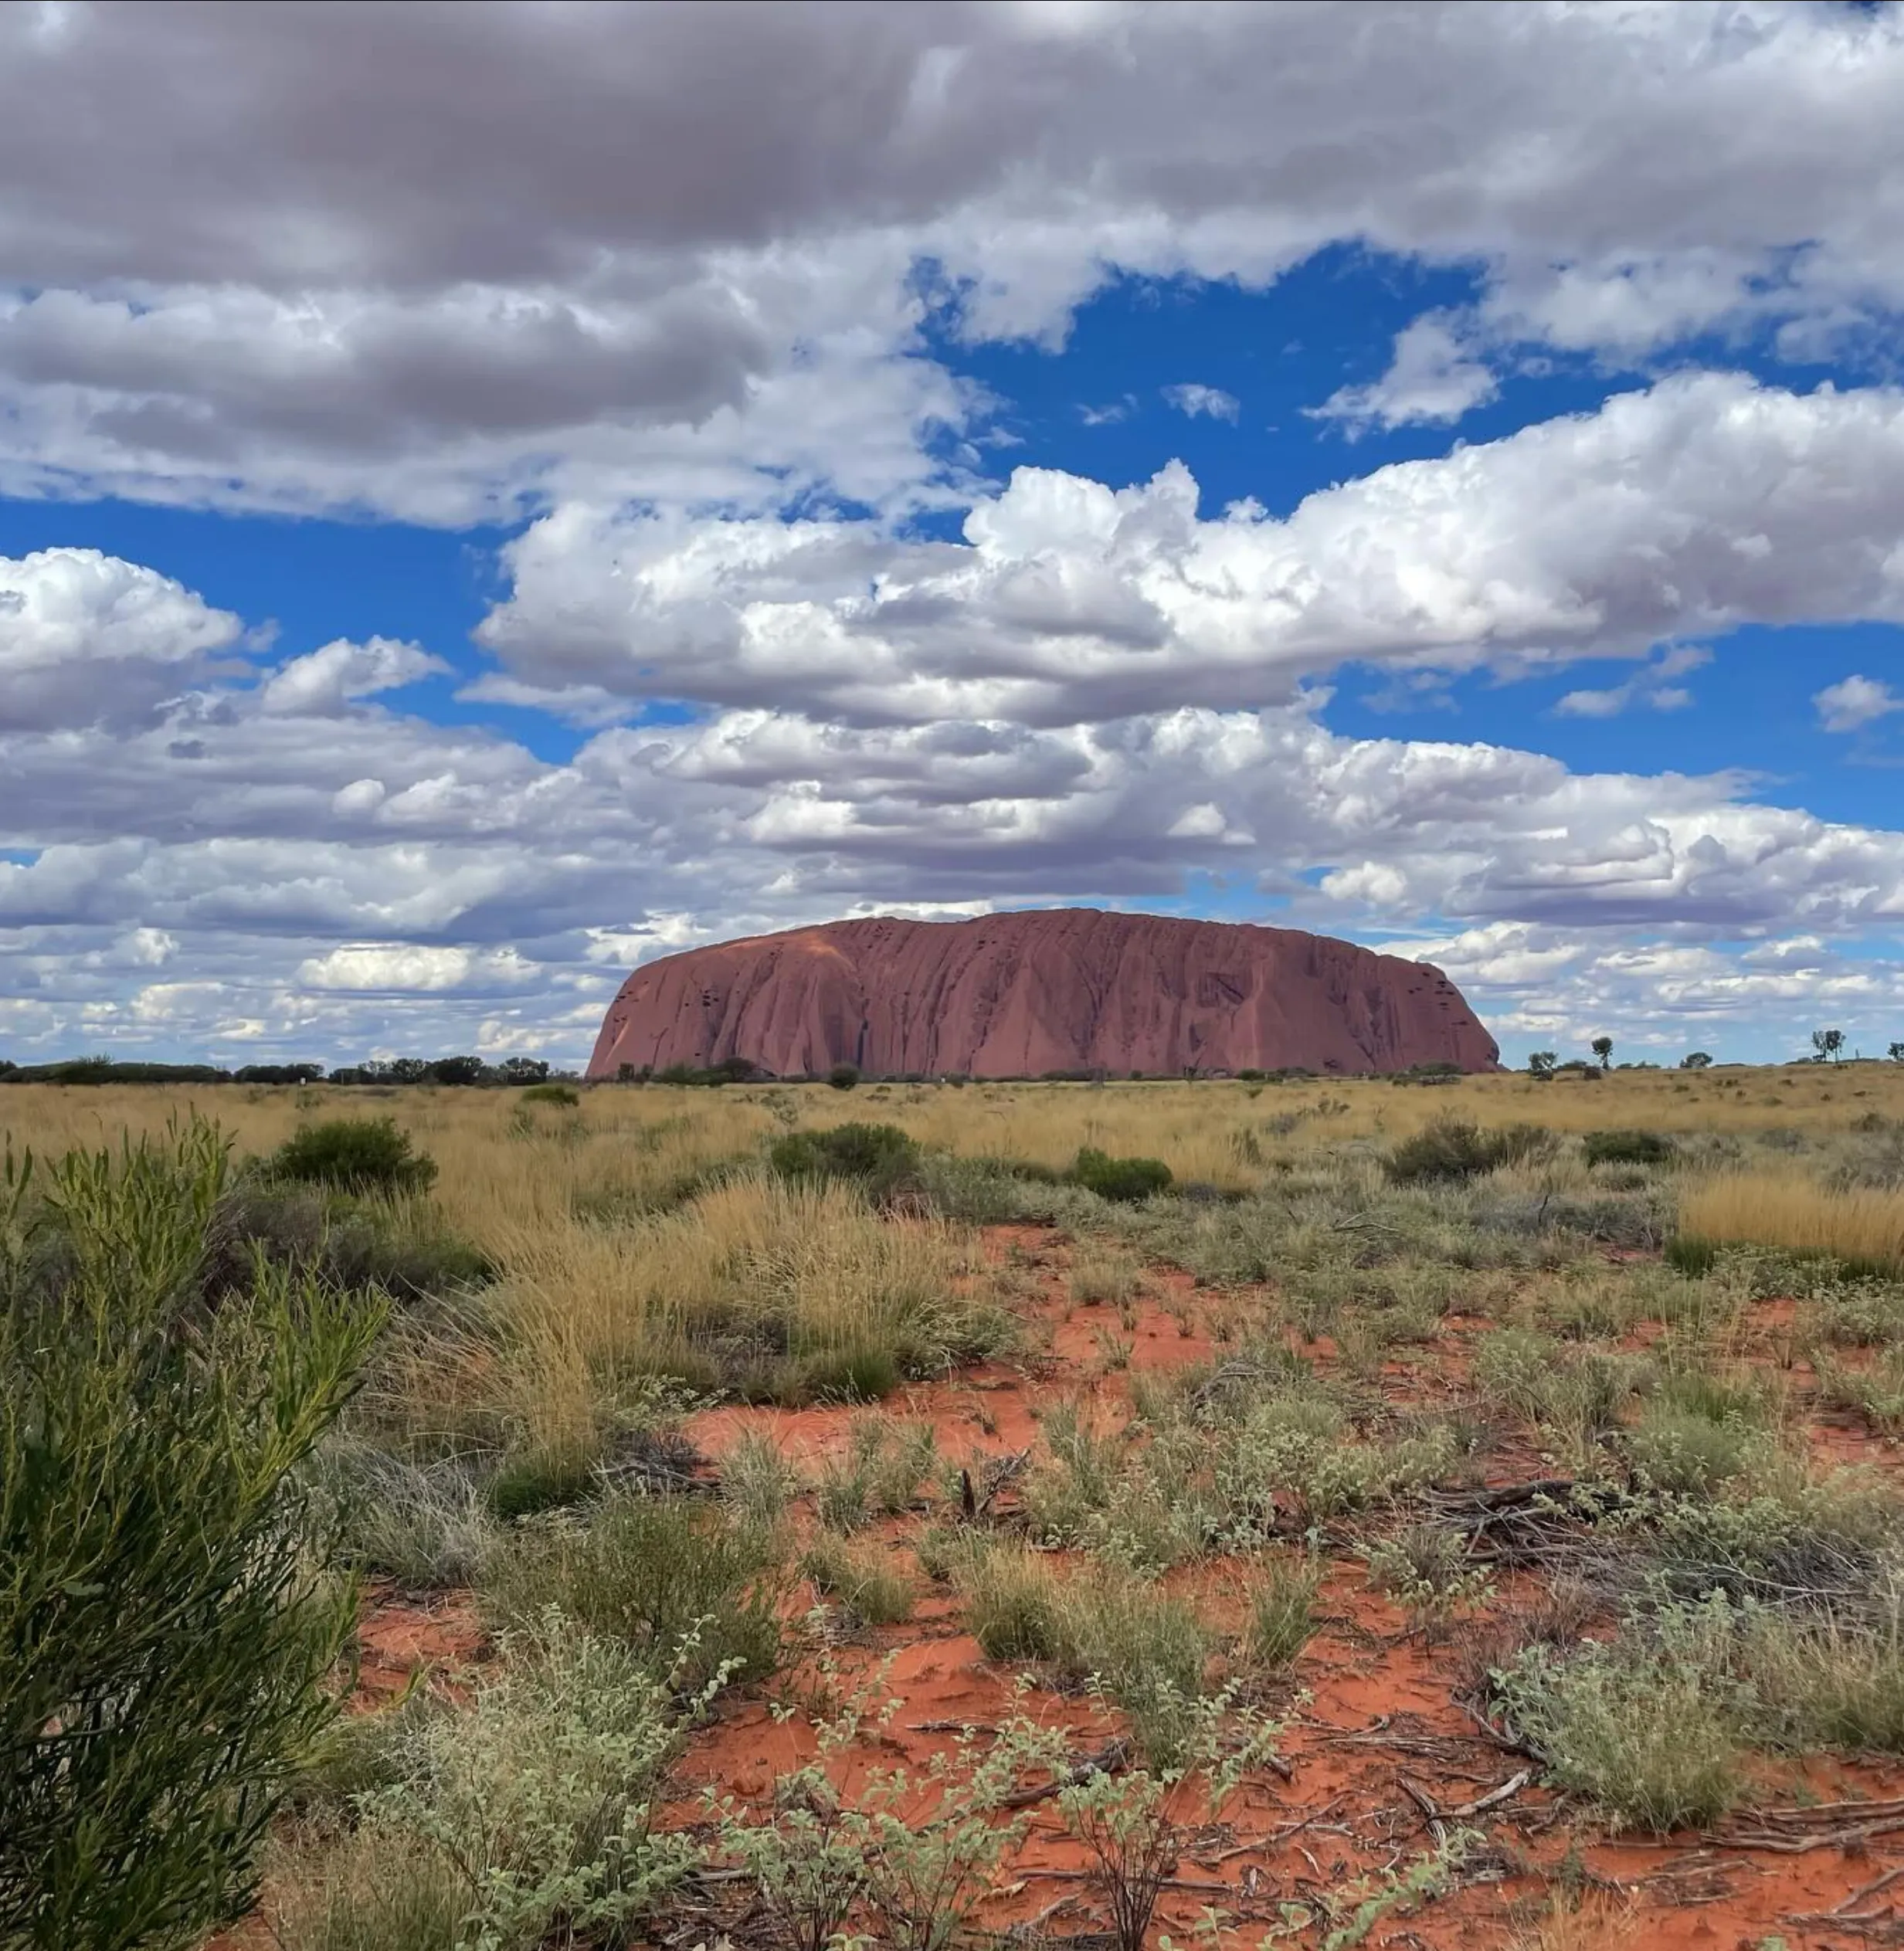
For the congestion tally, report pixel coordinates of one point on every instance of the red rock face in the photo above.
(1050, 989)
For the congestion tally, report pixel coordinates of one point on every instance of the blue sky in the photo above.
(474, 522)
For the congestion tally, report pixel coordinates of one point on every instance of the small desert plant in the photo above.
(1876, 1392)
(757, 1480)
(1101, 1273)
(924, 1881)
(879, 1474)
(535, 1802)
(1013, 1601)
(657, 1573)
(865, 1582)
(806, 1861)
(166, 1613)
(1129, 1824)
(1281, 1618)
(1126, 1181)
(357, 1154)
(1678, 1449)
(425, 1525)
(1452, 1148)
(843, 1077)
(530, 1481)
(1426, 1569)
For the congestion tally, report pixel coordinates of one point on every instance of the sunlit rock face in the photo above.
(1019, 994)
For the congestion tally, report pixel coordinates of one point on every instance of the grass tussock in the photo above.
(761, 1287)
(1144, 1650)
(1863, 1227)
(657, 1574)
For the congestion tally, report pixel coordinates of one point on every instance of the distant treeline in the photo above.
(396, 1070)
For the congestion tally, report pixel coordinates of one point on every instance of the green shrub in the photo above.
(879, 1157)
(550, 1093)
(356, 1154)
(843, 1077)
(1012, 1602)
(1453, 1148)
(166, 1614)
(1127, 1181)
(655, 1572)
(1679, 1450)
(756, 1480)
(404, 1249)
(1627, 1148)
(1143, 1649)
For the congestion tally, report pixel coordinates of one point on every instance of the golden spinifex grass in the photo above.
(627, 1147)
(1794, 1211)
(754, 1285)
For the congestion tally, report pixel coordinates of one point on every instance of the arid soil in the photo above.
(1381, 1754)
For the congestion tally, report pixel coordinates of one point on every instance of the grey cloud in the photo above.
(447, 262)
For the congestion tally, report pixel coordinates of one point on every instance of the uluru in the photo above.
(1038, 991)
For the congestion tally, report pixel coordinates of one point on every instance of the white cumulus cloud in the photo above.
(1854, 702)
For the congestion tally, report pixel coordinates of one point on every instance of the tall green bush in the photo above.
(166, 1618)
(1128, 1181)
(358, 1155)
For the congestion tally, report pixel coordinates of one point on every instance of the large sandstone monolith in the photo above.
(1047, 989)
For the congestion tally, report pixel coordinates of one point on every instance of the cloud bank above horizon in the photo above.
(531, 488)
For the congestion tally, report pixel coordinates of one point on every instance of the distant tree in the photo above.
(396, 1070)
(843, 1077)
(1602, 1047)
(524, 1070)
(1828, 1043)
(1541, 1063)
(1696, 1059)
(456, 1070)
(1896, 1053)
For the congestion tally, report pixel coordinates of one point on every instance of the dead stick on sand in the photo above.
(1195, 1884)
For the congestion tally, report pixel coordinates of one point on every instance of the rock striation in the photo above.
(1019, 995)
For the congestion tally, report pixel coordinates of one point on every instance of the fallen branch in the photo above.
(1112, 1759)
(1430, 1812)
(1512, 1787)
(1097, 1876)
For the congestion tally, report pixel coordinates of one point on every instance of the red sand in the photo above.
(1367, 1709)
